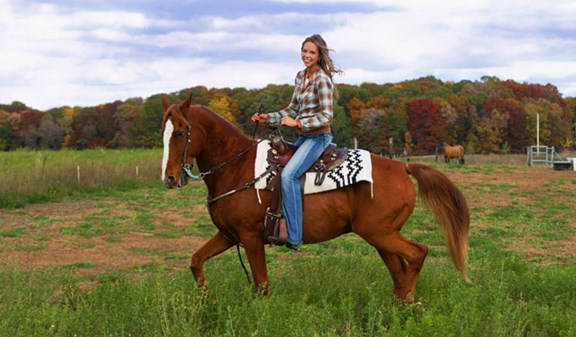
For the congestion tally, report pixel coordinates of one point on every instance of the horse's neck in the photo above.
(223, 144)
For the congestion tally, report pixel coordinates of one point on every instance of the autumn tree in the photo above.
(489, 115)
(424, 123)
(554, 129)
(379, 102)
(105, 124)
(15, 106)
(571, 114)
(463, 125)
(51, 134)
(83, 129)
(9, 122)
(514, 133)
(222, 106)
(125, 115)
(491, 132)
(349, 92)
(355, 108)
(373, 134)
(28, 130)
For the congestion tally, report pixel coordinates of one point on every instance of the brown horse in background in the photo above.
(225, 157)
(456, 151)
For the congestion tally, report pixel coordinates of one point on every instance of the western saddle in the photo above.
(275, 231)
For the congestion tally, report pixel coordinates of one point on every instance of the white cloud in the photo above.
(54, 55)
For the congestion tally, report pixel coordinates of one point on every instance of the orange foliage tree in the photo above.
(425, 125)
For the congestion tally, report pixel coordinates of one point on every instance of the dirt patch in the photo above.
(525, 187)
(518, 184)
(45, 242)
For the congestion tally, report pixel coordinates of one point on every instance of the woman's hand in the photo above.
(259, 117)
(289, 121)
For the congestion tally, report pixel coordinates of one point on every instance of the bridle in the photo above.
(185, 166)
(188, 167)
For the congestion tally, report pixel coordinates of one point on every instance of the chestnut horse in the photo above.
(456, 151)
(225, 158)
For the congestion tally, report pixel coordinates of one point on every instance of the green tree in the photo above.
(145, 131)
(349, 92)
(341, 127)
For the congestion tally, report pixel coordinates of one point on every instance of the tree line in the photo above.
(413, 116)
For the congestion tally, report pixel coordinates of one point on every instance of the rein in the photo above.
(249, 184)
(188, 169)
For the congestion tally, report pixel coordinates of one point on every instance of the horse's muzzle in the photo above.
(171, 181)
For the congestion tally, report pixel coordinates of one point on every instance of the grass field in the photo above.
(115, 263)
(29, 177)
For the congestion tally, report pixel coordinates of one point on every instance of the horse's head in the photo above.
(179, 145)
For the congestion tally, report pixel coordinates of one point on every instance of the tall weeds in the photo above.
(38, 176)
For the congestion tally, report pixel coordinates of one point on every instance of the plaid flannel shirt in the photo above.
(312, 104)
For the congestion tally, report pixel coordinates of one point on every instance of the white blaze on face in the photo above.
(168, 129)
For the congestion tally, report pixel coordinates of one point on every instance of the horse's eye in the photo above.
(179, 134)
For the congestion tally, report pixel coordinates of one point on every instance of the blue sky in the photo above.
(87, 52)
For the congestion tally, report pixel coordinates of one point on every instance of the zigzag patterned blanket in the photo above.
(356, 168)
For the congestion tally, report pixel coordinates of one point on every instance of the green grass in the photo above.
(318, 295)
(338, 288)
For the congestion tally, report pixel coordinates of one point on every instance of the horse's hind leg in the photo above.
(216, 245)
(397, 268)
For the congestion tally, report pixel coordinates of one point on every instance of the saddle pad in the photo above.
(356, 168)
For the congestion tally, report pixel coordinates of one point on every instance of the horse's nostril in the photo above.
(170, 181)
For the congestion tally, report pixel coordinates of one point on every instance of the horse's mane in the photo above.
(229, 127)
(202, 111)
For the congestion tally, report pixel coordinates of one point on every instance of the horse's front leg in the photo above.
(216, 245)
(253, 243)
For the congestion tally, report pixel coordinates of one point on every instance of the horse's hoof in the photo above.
(418, 308)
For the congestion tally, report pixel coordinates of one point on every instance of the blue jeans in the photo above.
(310, 147)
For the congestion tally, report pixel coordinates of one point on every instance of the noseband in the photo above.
(185, 166)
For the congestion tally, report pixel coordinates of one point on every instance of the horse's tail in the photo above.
(450, 208)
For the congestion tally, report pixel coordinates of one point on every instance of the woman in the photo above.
(311, 112)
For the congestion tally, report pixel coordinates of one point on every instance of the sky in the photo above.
(57, 53)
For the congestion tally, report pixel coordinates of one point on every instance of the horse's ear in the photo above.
(165, 102)
(186, 104)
